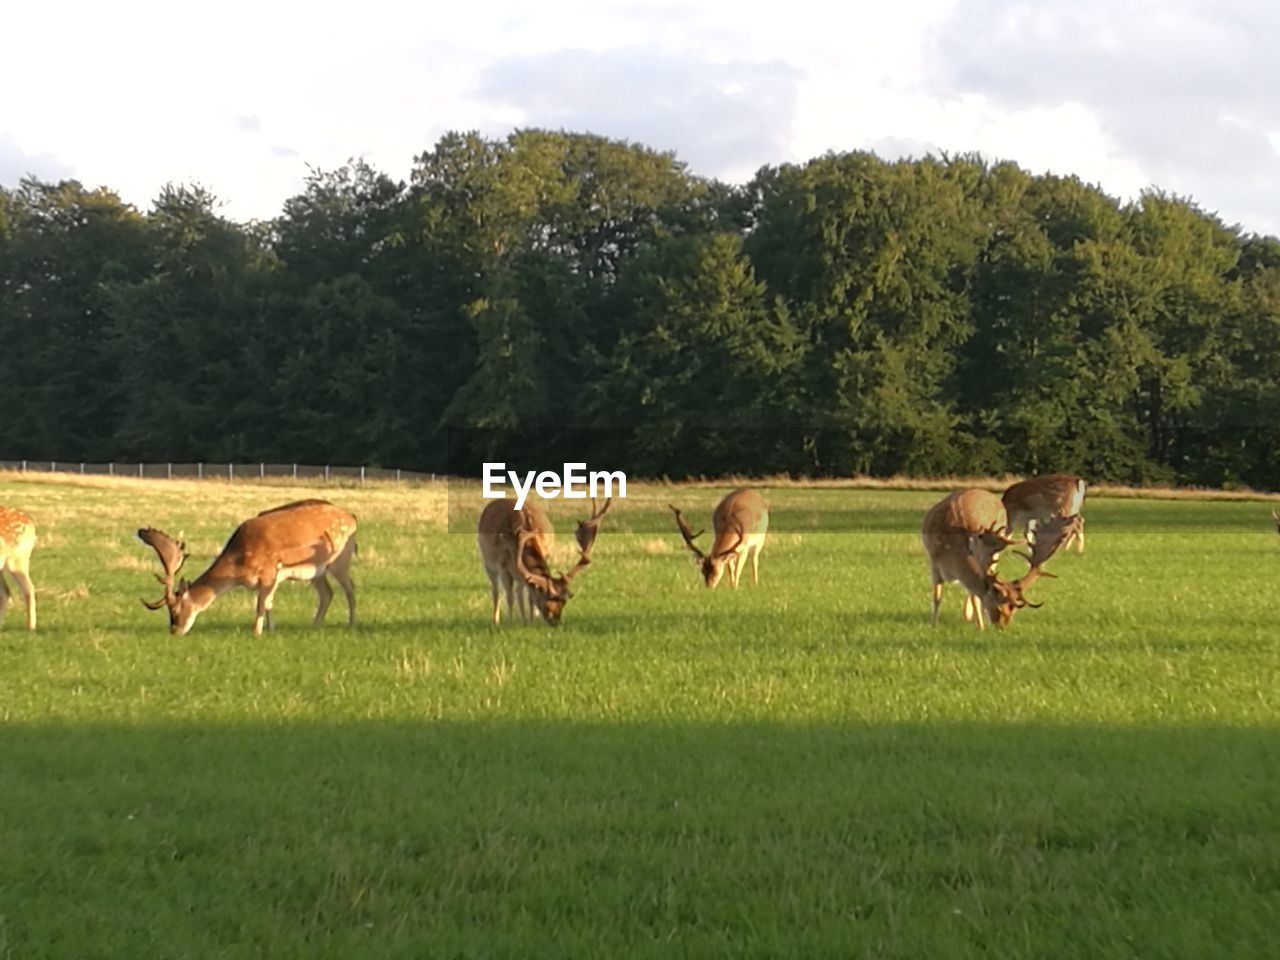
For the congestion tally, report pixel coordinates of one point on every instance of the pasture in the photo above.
(800, 769)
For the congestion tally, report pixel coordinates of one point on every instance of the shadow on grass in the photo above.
(546, 838)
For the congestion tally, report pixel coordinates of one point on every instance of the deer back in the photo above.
(954, 524)
(295, 534)
(17, 534)
(739, 515)
(1045, 496)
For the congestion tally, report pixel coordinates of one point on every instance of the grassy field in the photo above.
(800, 769)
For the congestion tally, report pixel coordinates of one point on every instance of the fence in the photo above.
(219, 471)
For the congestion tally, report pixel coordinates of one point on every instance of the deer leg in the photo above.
(735, 569)
(1079, 537)
(324, 596)
(266, 596)
(28, 591)
(493, 592)
(341, 570)
(755, 565)
(519, 592)
(508, 588)
(937, 598)
(4, 595)
(977, 613)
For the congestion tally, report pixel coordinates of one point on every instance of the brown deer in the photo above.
(306, 540)
(740, 523)
(515, 547)
(1039, 499)
(17, 540)
(963, 535)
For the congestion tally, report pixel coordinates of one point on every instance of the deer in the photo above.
(963, 536)
(17, 540)
(740, 523)
(515, 548)
(304, 540)
(1038, 499)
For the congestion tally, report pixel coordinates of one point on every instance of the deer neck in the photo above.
(213, 583)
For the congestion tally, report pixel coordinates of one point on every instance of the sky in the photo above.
(245, 97)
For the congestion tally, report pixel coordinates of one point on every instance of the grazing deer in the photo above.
(17, 540)
(306, 540)
(740, 523)
(1037, 500)
(515, 546)
(963, 535)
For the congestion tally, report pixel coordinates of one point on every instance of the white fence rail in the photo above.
(219, 471)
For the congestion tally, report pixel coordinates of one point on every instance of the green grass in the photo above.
(801, 769)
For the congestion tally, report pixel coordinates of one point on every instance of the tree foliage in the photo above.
(933, 316)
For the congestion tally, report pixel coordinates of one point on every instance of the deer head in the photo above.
(1007, 597)
(550, 593)
(1004, 598)
(1011, 595)
(173, 554)
(712, 565)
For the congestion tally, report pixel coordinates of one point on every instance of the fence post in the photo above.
(362, 475)
(82, 468)
(231, 472)
(200, 470)
(262, 470)
(139, 471)
(111, 469)
(326, 473)
(53, 466)
(170, 470)
(295, 471)
(24, 466)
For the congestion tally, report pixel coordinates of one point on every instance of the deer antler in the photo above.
(587, 529)
(172, 553)
(1034, 572)
(689, 535)
(731, 550)
(586, 536)
(535, 579)
(1052, 535)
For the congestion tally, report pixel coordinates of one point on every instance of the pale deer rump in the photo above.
(304, 540)
(17, 541)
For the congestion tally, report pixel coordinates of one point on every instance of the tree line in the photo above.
(554, 291)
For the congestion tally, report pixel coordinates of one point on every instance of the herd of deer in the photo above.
(963, 536)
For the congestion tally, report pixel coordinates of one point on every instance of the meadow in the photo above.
(803, 768)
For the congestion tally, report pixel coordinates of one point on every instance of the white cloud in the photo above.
(16, 163)
(243, 96)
